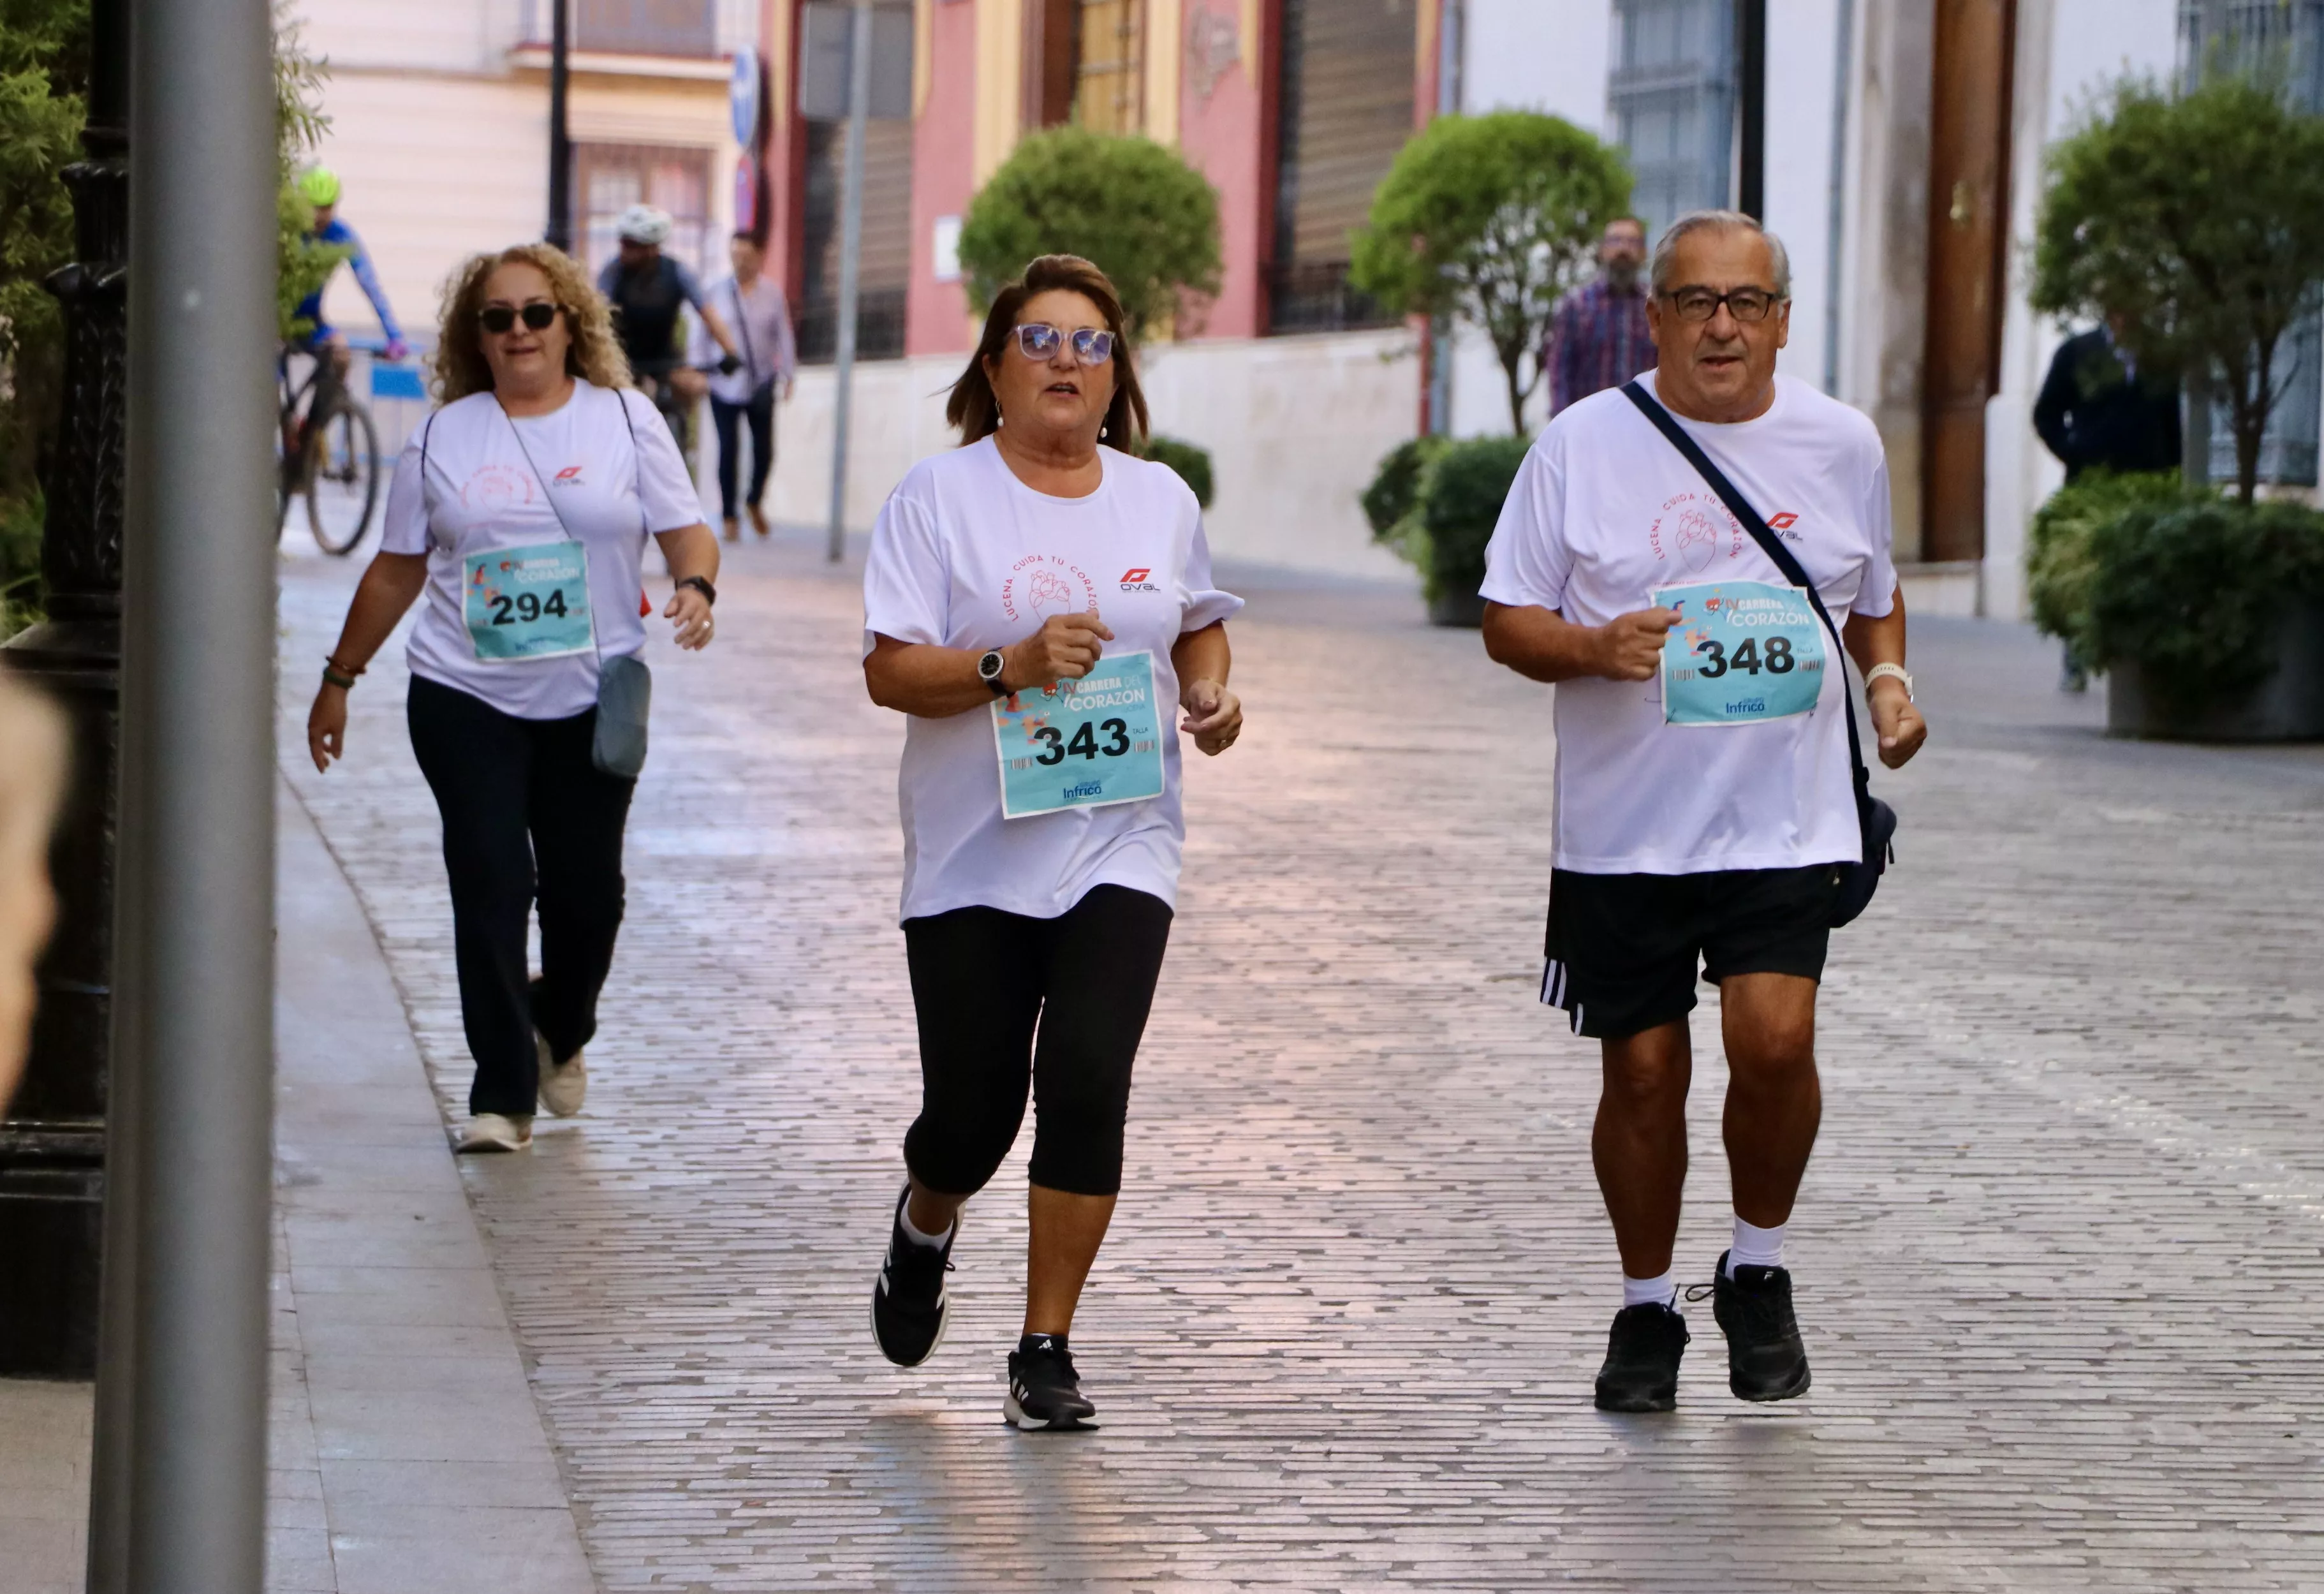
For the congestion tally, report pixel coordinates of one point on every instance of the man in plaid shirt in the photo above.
(1599, 338)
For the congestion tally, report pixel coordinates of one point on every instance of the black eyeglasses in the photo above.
(1039, 341)
(1744, 304)
(498, 318)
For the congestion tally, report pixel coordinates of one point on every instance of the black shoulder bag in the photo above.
(1876, 819)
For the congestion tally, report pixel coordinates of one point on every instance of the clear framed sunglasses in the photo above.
(1039, 341)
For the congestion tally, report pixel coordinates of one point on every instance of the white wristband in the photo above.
(1895, 671)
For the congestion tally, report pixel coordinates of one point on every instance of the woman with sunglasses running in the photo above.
(521, 509)
(1037, 601)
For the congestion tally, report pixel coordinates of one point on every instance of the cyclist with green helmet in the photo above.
(320, 187)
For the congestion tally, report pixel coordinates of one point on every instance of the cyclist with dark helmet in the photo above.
(648, 291)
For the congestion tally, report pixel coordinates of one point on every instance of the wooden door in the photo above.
(1968, 231)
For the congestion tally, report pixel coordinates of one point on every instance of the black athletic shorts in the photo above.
(1623, 948)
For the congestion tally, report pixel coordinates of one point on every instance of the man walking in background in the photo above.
(753, 306)
(1598, 338)
(2098, 410)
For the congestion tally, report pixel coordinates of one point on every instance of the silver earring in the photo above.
(1100, 431)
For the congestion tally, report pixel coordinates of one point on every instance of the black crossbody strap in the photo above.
(1781, 557)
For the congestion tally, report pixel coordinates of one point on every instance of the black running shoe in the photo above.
(1642, 1352)
(909, 1305)
(1044, 1392)
(1765, 1357)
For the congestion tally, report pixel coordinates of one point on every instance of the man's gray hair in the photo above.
(1696, 221)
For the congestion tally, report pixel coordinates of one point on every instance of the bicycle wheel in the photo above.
(343, 484)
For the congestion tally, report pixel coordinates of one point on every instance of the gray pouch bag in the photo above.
(624, 695)
(625, 684)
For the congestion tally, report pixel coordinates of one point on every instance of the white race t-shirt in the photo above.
(966, 556)
(482, 493)
(1604, 511)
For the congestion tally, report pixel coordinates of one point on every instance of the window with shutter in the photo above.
(886, 269)
(2285, 36)
(611, 177)
(1345, 109)
(1672, 94)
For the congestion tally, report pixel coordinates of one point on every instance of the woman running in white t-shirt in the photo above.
(521, 509)
(1036, 603)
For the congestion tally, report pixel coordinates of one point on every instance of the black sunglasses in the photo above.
(498, 318)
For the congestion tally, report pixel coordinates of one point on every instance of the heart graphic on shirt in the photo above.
(1046, 593)
(1697, 539)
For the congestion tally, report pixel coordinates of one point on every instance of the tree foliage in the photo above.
(1138, 211)
(2196, 221)
(301, 266)
(43, 89)
(1494, 219)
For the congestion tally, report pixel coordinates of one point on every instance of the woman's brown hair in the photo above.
(594, 354)
(975, 408)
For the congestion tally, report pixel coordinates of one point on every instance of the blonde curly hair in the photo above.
(594, 354)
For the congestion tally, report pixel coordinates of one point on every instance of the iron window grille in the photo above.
(1672, 94)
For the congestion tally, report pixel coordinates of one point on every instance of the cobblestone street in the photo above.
(2059, 1256)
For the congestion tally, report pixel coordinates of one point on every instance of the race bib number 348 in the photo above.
(1081, 744)
(1743, 651)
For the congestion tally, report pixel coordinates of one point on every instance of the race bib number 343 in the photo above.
(1743, 651)
(529, 602)
(1081, 744)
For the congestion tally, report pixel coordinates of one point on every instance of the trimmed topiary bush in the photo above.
(1192, 461)
(1462, 493)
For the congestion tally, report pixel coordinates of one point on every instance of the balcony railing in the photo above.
(1317, 297)
(879, 327)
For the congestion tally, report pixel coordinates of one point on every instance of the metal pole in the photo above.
(1843, 76)
(560, 138)
(198, 710)
(850, 260)
(1751, 64)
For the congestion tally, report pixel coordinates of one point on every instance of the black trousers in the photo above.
(982, 982)
(526, 816)
(759, 412)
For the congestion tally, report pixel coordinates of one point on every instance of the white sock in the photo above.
(913, 1233)
(1755, 1247)
(1650, 1292)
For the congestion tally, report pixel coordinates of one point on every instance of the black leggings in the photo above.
(981, 981)
(515, 793)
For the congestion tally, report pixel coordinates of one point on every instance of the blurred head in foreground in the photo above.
(32, 782)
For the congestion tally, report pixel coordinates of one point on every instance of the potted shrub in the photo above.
(1436, 501)
(2060, 545)
(2208, 618)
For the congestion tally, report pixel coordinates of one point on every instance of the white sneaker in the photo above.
(562, 1085)
(495, 1131)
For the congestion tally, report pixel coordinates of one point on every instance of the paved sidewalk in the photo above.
(407, 1453)
(2058, 1253)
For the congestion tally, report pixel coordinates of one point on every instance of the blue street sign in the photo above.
(742, 97)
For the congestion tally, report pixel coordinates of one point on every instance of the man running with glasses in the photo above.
(1704, 782)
